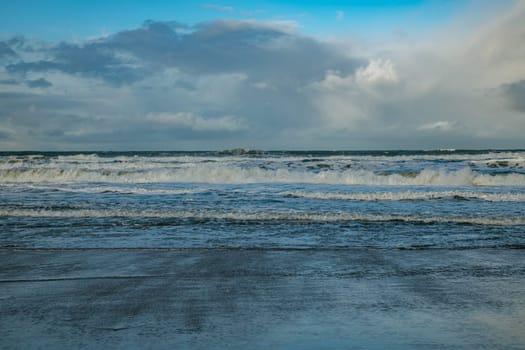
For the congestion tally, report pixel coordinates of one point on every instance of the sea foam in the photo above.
(231, 174)
(255, 216)
(409, 195)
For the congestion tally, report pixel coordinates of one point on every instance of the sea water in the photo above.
(262, 250)
(453, 199)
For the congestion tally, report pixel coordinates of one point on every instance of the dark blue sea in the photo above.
(307, 249)
(249, 199)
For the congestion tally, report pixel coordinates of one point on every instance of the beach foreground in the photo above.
(263, 250)
(262, 298)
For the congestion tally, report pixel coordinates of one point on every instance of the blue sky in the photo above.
(261, 74)
(69, 20)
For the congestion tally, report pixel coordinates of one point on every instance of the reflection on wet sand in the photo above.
(292, 299)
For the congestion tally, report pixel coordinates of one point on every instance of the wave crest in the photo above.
(223, 174)
(259, 216)
(409, 195)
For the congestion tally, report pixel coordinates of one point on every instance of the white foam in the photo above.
(512, 163)
(232, 174)
(131, 190)
(409, 195)
(334, 169)
(257, 216)
(517, 157)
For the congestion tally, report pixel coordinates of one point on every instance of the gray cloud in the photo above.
(515, 94)
(10, 81)
(226, 84)
(38, 83)
(6, 51)
(90, 59)
(263, 50)
(5, 135)
(18, 101)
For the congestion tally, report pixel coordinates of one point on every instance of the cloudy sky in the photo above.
(184, 75)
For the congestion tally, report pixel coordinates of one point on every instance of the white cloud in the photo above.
(344, 100)
(338, 100)
(496, 50)
(334, 81)
(197, 122)
(261, 85)
(378, 71)
(442, 125)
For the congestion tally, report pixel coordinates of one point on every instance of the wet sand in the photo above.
(262, 299)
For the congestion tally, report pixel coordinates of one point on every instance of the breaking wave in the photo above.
(409, 195)
(229, 174)
(120, 190)
(211, 215)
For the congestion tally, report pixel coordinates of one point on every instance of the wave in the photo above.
(514, 159)
(119, 190)
(409, 195)
(210, 215)
(228, 174)
(512, 163)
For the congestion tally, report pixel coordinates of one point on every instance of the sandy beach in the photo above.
(261, 299)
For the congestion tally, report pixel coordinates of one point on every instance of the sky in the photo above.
(190, 75)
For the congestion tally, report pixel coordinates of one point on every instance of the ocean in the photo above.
(242, 199)
(422, 248)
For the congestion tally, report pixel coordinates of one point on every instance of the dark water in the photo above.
(238, 249)
(435, 199)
